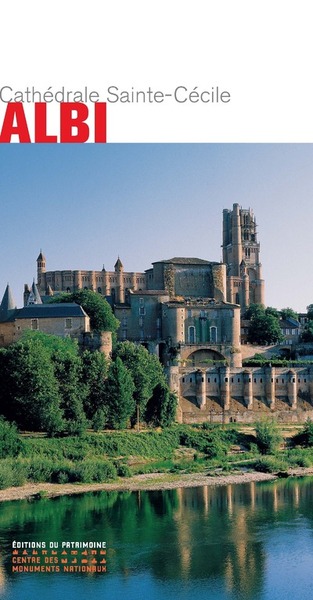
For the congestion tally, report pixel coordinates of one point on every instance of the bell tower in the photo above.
(241, 254)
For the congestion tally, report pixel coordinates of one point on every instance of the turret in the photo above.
(34, 296)
(118, 267)
(120, 290)
(8, 305)
(41, 269)
(26, 294)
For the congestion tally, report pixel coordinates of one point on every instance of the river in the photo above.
(237, 542)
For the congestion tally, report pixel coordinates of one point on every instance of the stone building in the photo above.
(113, 285)
(186, 311)
(63, 319)
(241, 254)
(237, 280)
(221, 394)
(155, 307)
(188, 277)
(180, 307)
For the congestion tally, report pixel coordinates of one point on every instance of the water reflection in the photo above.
(220, 540)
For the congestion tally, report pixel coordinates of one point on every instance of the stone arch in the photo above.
(204, 357)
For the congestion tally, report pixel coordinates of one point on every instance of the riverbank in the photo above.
(149, 482)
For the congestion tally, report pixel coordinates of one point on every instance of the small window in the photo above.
(34, 324)
(68, 323)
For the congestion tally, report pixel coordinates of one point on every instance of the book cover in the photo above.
(132, 136)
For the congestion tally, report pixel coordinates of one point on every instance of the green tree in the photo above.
(32, 388)
(146, 370)
(96, 307)
(95, 370)
(270, 310)
(307, 334)
(289, 313)
(255, 310)
(310, 312)
(264, 328)
(67, 365)
(305, 436)
(68, 372)
(161, 407)
(268, 436)
(119, 391)
(53, 343)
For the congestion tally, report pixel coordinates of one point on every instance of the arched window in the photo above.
(213, 335)
(191, 334)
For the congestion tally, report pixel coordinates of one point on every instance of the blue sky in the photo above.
(86, 204)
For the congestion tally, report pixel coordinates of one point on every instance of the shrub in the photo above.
(40, 469)
(209, 440)
(123, 470)
(270, 464)
(6, 476)
(305, 436)
(98, 471)
(268, 437)
(10, 443)
(60, 476)
(12, 473)
(300, 457)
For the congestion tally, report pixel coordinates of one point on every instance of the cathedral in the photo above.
(187, 311)
(237, 280)
(179, 304)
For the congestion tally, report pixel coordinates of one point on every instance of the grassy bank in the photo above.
(107, 456)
